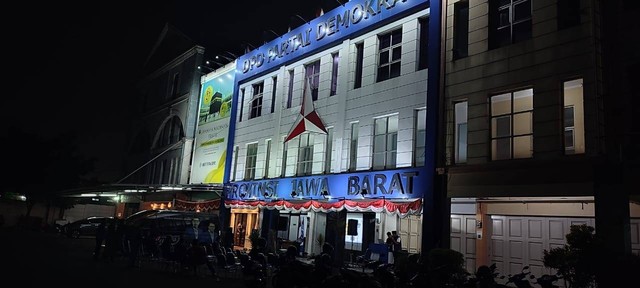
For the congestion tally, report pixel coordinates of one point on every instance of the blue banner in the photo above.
(336, 25)
(392, 184)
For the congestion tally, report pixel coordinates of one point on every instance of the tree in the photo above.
(446, 268)
(40, 168)
(575, 260)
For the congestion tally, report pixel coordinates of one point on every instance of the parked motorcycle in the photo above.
(520, 279)
(548, 281)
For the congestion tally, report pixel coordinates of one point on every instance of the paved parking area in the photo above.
(33, 258)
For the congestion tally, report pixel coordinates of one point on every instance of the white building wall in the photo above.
(400, 96)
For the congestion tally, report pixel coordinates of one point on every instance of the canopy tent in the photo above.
(400, 208)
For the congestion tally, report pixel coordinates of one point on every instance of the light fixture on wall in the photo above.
(294, 194)
(325, 194)
(363, 191)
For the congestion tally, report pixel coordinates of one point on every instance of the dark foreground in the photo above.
(33, 258)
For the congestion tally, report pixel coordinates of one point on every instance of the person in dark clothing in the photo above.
(324, 264)
(390, 242)
(101, 234)
(397, 246)
(113, 241)
(197, 255)
(228, 238)
(134, 237)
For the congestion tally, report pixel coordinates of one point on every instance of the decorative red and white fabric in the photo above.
(400, 208)
(202, 206)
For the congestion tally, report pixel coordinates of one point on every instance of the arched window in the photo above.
(171, 133)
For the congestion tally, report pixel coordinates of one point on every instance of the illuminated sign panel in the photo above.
(210, 149)
(400, 183)
(336, 25)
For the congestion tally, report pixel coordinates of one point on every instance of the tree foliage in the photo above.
(575, 260)
(40, 168)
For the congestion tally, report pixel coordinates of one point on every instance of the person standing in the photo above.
(191, 232)
(208, 236)
(397, 245)
(113, 241)
(390, 245)
(228, 239)
(101, 234)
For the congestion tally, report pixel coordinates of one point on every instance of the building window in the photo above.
(256, 100)
(385, 142)
(250, 163)
(273, 94)
(241, 104)
(175, 85)
(312, 76)
(573, 117)
(389, 54)
(423, 49)
(335, 59)
(285, 146)
(512, 125)
(329, 149)
(460, 29)
(568, 13)
(509, 21)
(460, 132)
(357, 82)
(420, 137)
(235, 162)
(353, 147)
(171, 132)
(305, 154)
(267, 159)
(290, 92)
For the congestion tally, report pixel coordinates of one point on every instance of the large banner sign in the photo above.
(212, 134)
(336, 25)
(406, 183)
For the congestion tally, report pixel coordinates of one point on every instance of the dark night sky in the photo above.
(72, 64)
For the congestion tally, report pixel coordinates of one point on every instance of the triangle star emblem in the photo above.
(308, 119)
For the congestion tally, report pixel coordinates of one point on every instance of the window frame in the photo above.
(578, 125)
(328, 150)
(496, 14)
(457, 132)
(389, 152)
(256, 100)
(357, 81)
(312, 76)
(250, 161)
(388, 62)
(460, 34)
(511, 117)
(274, 81)
(419, 159)
(304, 164)
(335, 61)
(353, 147)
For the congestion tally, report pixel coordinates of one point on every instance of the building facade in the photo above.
(356, 169)
(162, 135)
(534, 132)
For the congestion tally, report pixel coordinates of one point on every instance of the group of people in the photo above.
(202, 240)
(393, 246)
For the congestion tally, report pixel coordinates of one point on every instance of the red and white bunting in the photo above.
(401, 209)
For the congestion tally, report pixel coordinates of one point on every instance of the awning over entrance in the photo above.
(401, 208)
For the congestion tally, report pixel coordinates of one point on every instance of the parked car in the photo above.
(160, 223)
(85, 227)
